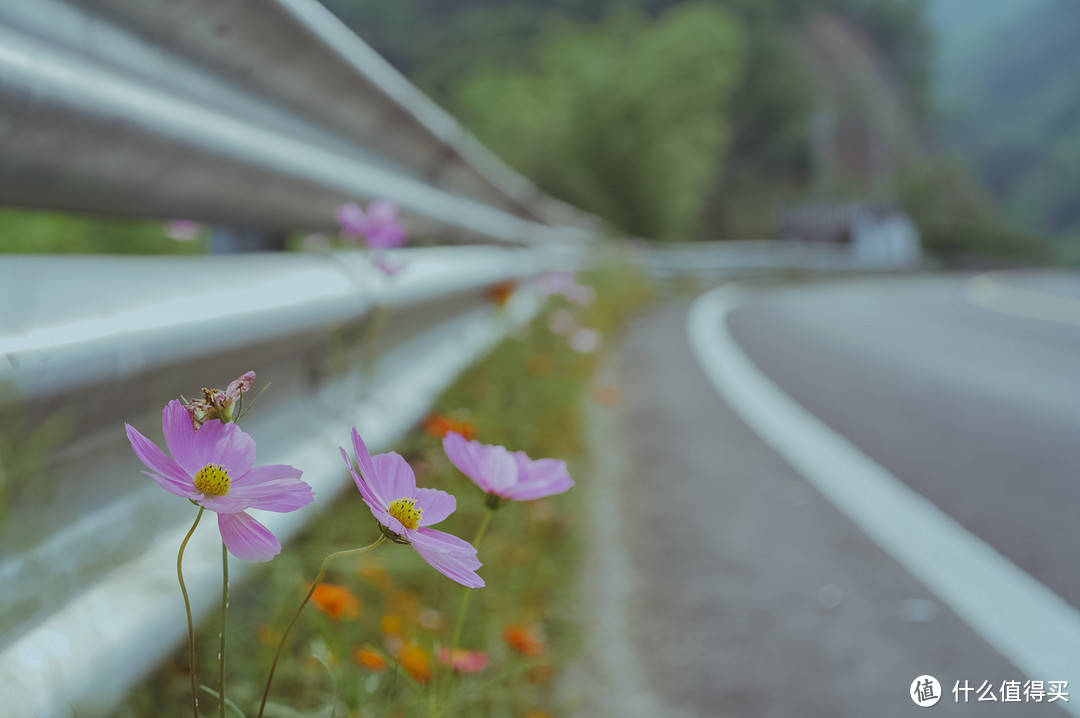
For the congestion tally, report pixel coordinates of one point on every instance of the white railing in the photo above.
(256, 114)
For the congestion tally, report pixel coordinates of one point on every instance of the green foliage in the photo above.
(25, 231)
(899, 30)
(625, 119)
(766, 166)
(959, 222)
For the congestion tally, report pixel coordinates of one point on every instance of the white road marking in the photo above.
(989, 292)
(1022, 619)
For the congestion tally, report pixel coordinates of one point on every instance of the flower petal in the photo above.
(363, 456)
(394, 478)
(180, 436)
(370, 498)
(172, 487)
(225, 444)
(246, 538)
(351, 219)
(273, 488)
(539, 478)
(492, 467)
(436, 505)
(447, 554)
(165, 471)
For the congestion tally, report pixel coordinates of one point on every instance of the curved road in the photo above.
(725, 583)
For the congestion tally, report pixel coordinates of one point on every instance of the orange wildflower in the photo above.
(377, 576)
(336, 601)
(437, 425)
(267, 635)
(524, 639)
(390, 624)
(405, 603)
(537, 365)
(416, 661)
(369, 659)
(540, 674)
(500, 293)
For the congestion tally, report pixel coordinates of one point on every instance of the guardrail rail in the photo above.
(259, 117)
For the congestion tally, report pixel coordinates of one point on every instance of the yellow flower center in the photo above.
(213, 480)
(406, 511)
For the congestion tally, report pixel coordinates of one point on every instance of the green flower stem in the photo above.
(373, 336)
(460, 624)
(224, 626)
(314, 584)
(187, 607)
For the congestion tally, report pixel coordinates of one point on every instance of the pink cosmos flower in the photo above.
(464, 661)
(379, 225)
(388, 486)
(214, 466)
(217, 404)
(565, 284)
(182, 230)
(507, 475)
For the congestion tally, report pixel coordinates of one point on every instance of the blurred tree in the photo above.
(626, 119)
(960, 223)
(900, 31)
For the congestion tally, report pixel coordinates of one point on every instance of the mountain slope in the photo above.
(1005, 83)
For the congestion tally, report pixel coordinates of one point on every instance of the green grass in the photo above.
(24, 231)
(526, 394)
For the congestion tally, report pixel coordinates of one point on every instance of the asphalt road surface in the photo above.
(724, 582)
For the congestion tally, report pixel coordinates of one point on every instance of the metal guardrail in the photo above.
(89, 599)
(259, 115)
(742, 258)
(266, 113)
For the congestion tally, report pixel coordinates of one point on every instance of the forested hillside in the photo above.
(1010, 103)
(691, 119)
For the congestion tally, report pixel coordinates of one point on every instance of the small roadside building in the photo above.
(875, 234)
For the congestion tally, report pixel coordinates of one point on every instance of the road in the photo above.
(725, 582)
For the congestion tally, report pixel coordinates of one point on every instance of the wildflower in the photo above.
(526, 640)
(404, 512)
(565, 284)
(214, 466)
(464, 661)
(268, 635)
(429, 619)
(336, 601)
(585, 341)
(182, 230)
(438, 424)
(535, 365)
(416, 661)
(500, 293)
(390, 624)
(369, 658)
(377, 576)
(218, 404)
(506, 475)
(562, 322)
(379, 225)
